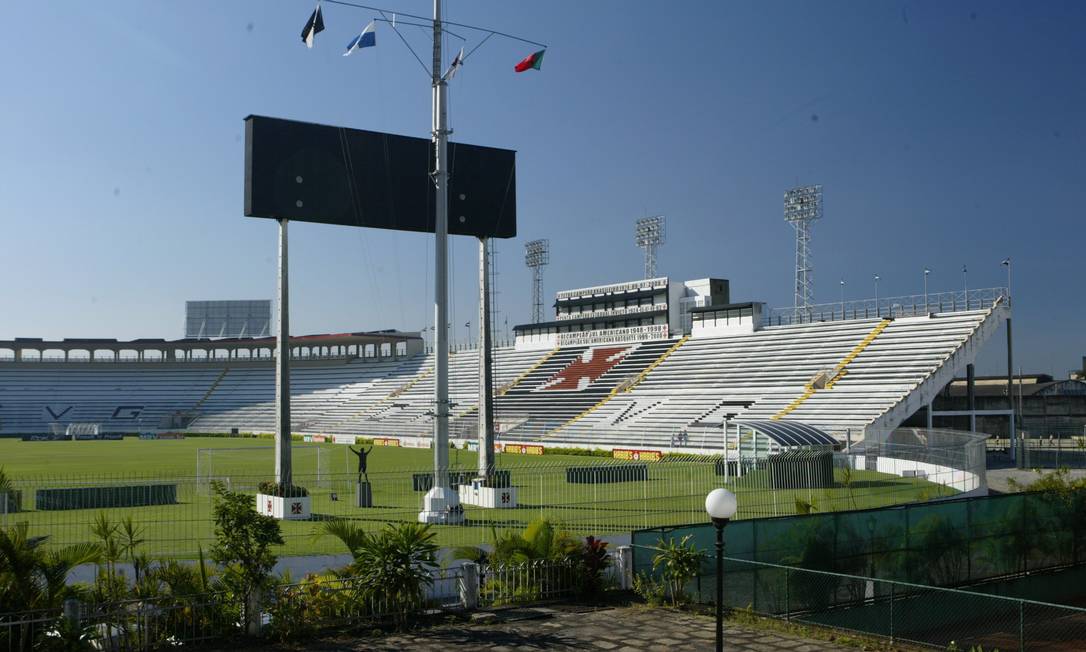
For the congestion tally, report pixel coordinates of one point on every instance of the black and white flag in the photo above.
(313, 26)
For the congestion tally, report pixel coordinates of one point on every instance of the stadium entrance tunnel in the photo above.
(794, 455)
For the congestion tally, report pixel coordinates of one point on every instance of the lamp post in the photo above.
(965, 285)
(720, 504)
(926, 272)
(1007, 263)
(842, 298)
(878, 313)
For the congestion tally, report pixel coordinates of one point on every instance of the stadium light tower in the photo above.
(537, 254)
(802, 206)
(650, 234)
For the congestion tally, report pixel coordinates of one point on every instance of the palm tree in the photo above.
(32, 577)
(391, 569)
(541, 540)
(540, 544)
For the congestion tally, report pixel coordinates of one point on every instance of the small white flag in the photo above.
(366, 39)
(457, 61)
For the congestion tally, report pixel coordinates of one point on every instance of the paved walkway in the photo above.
(998, 479)
(623, 629)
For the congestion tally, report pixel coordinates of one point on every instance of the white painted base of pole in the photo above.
(479, 495)
(442, 506)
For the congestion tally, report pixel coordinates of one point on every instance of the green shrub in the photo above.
(593, 561)
(298, 611)
(652, 592)
(269, 488)
(583, 452)
(679, 563)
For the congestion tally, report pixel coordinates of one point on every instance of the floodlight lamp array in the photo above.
(537, 253)
(803, 204)
(650, 231)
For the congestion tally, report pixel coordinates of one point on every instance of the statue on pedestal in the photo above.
(362, 454)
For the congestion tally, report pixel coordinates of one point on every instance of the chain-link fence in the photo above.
(944, 543)
(586, 495)
(903, 612)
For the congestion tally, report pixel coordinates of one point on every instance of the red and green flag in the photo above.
(533, 61)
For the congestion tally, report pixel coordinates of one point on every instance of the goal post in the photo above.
(310, 462)
(76, 430)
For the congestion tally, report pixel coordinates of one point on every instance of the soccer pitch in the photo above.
(673, 493)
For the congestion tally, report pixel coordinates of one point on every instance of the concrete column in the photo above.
(971, 396)
(624, 567)
(469, 585)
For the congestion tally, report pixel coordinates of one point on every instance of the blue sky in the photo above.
(944, 133)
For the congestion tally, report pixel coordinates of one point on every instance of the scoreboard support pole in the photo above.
(486, 359)
(283, 471)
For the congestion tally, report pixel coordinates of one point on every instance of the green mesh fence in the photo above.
(903, 612)
(944, 543)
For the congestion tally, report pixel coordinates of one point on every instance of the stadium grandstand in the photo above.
(655, 362)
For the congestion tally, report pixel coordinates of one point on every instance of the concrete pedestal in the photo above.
(288, 509)
(363, 495)
(482, 496)
(442, 506)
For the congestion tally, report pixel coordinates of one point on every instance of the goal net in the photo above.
(76, 430)
(239, 468)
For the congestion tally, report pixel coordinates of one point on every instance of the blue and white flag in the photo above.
(367, 39)
(457, 61)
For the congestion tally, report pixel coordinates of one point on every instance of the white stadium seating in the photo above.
(656, 393)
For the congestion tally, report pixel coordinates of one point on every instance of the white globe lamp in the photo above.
(721, 506)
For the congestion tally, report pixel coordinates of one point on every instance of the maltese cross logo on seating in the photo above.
(586, 368)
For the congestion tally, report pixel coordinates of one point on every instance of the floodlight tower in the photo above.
(650, 234)
(802, 206)
(537, 254)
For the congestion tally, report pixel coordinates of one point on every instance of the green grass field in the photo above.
(672, 495)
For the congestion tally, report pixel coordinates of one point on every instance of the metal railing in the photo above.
(286, 611)
(528, 582)
(915, 305)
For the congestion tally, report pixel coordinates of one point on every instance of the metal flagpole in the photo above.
(486, 385)
(283, 474)
(441, 504)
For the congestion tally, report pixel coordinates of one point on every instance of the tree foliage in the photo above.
(243, 544)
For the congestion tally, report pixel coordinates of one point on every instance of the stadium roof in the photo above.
(723, 306)
(590, 320)
(373, 337)
(790, 433)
